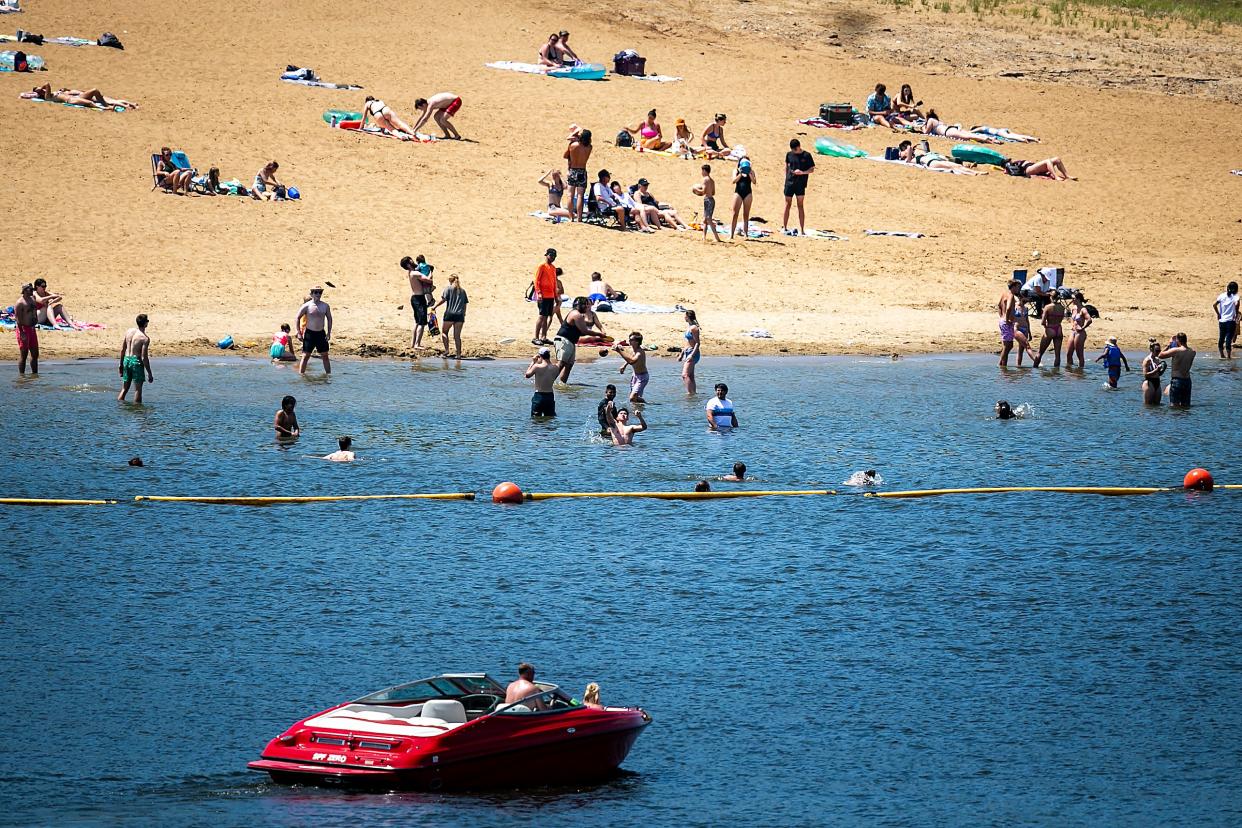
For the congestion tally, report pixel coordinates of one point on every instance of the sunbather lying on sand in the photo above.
(382, 116)
(1052, 168)
(1006, 134)
(933, 126)
(76, 97)
(912, 154)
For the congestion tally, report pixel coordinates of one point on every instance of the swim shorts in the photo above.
(418, 302)
(577, 177)
(314, 341)
(1006, 331)
(27, 337)
(709, 208)
(638, 384)
(543, 404)
(452, 108)
(131, 370)
(795, 186)
(1114, 373)
(566, 351)
(1179, 391)
(545, 307)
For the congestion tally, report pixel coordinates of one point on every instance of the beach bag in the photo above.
(433, 325)
(530, 292)
(19, 62)
(624, 139)
(841, 114)
(628, 62)
(110, 40)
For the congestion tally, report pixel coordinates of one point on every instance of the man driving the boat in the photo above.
(524, 685)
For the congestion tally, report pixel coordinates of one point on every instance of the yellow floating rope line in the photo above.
(679, 495)
(33, 501)
(1098, 490)
(272, 501)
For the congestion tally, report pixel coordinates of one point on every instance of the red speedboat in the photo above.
(454, 731)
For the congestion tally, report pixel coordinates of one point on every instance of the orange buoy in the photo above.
(1199, 480)
(507, 493)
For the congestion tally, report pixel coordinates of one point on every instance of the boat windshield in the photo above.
(416, 691)
(549, 701)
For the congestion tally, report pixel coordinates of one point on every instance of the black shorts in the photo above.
(795, 187)
(314, 341)
(454, 317)
(545, 307)
(1179, 391)
(543, 404)
(418, 302)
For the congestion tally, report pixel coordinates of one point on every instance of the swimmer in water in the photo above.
(739, 474)
(870, 477)
(702, 486)
(607, 408)
(344, 453)
(286, 421)
(1003, 410)
(622, 432)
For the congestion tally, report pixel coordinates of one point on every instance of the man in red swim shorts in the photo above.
(442, 106)
(26, 314)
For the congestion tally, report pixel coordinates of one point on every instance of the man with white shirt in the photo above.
(1038, 288)
(720, 414)
(1226, 307)
(607, 199)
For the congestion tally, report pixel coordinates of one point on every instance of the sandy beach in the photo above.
(1150, 232)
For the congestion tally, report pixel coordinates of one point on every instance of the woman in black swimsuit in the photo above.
(743, 190)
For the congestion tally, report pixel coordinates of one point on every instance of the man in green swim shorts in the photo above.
(135, 359)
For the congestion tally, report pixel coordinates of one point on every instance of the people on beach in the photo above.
(281, 349)
(738, 475)
(720, 413)
(1080, 320)
(743, 194)
(454, 300)
(543, 370)
(1051, 319)
(169, 176)
(266, 186)
(1022, 329)
(622, 430)
(691, 353)
(523, 686)
(554, 183)
(932, 125)
(880, 110)
(625, 207)
(578, 322)
(550, 52)
(640, 378)
(134, 364)
(51, 306)
(547, 297)
(92, 98)
(344, 452)
(707, 189)
(314, 325)
(568, 56)
(906, 107)
(1008, 332)
(601, 291)
(1053, 168)
(799, 164)
(286, 420)
(1180, 356)
(1226, 307)
(26, 315)
(714, 144)
(913, 153)
(1153, 368)
(649, 133)
(656, 213)
(440, 107)
(418, 273)
(1113, 359)
(1038, 288)
(577, 154)
(607, 201)
(683, 140)
(607, 408)
(382, 117)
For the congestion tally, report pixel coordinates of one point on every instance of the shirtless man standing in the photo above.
(26, 314)
(638, 383)
(622, 432)
(707, 189)
(543, 371)
(135, 359)
(1005, 309)
(442, 106)
(524, 685)
(577, 154)
(316, 331)
(1180, 356)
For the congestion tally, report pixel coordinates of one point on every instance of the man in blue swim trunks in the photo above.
(1114, 359)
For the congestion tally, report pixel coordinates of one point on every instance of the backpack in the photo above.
(19, 62)
(530, 292)
(624, 139)
(109, 39)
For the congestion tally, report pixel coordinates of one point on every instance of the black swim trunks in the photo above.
(1179, 391)
(418, 302)
(543, 404)
(795, 186)
(545, 307)
(577, 177)
(314, 341)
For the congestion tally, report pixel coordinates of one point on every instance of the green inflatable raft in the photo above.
(827, 146)
(964, 154)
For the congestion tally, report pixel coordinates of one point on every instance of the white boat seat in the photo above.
(450, 710)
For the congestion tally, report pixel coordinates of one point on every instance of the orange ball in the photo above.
(507, 493)
(1199, 480)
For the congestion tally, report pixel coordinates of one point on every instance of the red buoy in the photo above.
(1199, 480)
(507, 493)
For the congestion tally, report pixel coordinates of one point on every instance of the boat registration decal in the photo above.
(329, 757)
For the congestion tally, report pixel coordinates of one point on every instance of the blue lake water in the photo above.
(1030, 658)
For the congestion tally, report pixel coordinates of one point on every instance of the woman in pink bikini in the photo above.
(1052, 317)
(1080, 320)
(650, 136)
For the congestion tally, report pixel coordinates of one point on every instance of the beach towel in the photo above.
(307, 77)
(353, 126)
(757, 333)
(30, 96)
(822, 124)
(654, 78)
(515, 66)
(1236, 172)
(61, 41)
(999, 132)
(910, 165)
(7, 7)
(824, 234)
(638, 307)
(668, 153)
(900, 233)
(583, 71)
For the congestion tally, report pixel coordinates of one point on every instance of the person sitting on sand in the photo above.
(440, 107)
(650, 135)
(738, 476)
(880, 110)
(568, 56)
(50, 306)
(282, 345)
(266, 186)
(383, 118)
(683, 140)
(77, 97)
(714, 144)
(601, 291)
(655, 212)
(169, 176)
(933, 126)
(906, 106)
(622, 432)
(550, 52)
(344, 452)
(555, 185)
(1052, 168)
(912, 154)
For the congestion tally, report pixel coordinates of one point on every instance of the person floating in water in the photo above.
(1004, 411)
(1114, 359)
(286, 421)
(621, 430)
(344, 452)
(739, 474)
